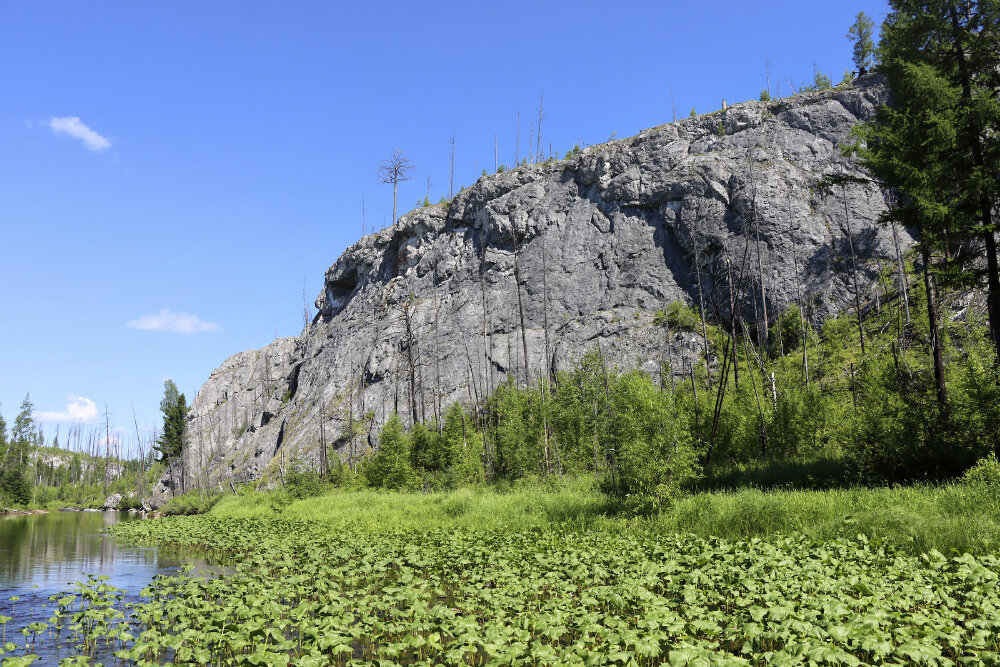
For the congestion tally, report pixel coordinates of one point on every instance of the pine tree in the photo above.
(24, 423)
(939, 144)
(14, 486)
(864, 47)
(173, 439)
(390, 467)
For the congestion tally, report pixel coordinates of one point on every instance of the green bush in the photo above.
(305, 483)
(15, 489)
(192, 502)
(651, 453)
(390, 466)
(985, 474)
(679, 316)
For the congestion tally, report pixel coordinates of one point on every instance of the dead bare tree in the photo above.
(548, 362)
(825, 185)
(517, 146)
(701, 304)
(754, 218)
(411, 361)
(902, 273)
(538, 147)
(531, 135)
(451, 168)
(487, 336)
(798, 296)
(520, 309)
(394, 170)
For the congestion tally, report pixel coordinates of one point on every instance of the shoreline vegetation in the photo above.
(798, 494)
(556, 574)
(954, 517)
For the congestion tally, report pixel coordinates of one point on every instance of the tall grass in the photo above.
(528, 505)
(916, 519)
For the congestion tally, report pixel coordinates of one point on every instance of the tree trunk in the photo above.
(520, 310)
(985, 207)
(545, 311)
(902, 273)
(395, 190)
(854, 269)
(802, 316)
(701, 307)
(932, 317)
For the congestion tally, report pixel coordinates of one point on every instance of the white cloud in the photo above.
(79, 409)
(75, 128)
(182, 323)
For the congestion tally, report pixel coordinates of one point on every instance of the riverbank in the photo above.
(558, 573)
(956, 517)
(558, 577)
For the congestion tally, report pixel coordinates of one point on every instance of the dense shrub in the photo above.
(192, 502)
(15, 489)
(301, 483)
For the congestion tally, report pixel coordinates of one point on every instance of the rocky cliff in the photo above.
(529, 268)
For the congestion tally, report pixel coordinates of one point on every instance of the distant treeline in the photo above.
(82, 473)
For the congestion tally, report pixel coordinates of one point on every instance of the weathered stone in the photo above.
(600, 242)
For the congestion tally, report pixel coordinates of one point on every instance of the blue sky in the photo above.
(173, 174)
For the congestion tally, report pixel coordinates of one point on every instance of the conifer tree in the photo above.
(864, 46)
(390, 467)
(938, 145)
(173, 439)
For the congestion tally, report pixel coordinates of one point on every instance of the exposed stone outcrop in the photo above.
(597, 243)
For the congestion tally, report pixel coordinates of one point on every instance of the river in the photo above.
(43, 554)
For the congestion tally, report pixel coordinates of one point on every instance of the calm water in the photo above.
(43, 554)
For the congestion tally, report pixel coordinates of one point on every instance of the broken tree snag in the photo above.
(520, 310)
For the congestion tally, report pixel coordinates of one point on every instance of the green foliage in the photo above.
(937, 145)
(390, 466)
(651, 453)
(304, 483)
(173, 438)
(820, 82)
(573, 152)
(765, 95)
(501, 168)
(679, 316)
(783, 600)
(984, 474)
(22, 433)
(693, 112)
(450, 458)
(787, 333)
(720, 129)
(15, 487)
(192, 502)
(860, 33)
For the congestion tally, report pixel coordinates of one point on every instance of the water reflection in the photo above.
(43, 554)
(53, 550)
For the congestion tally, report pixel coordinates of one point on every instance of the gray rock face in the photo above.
(584, 250)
